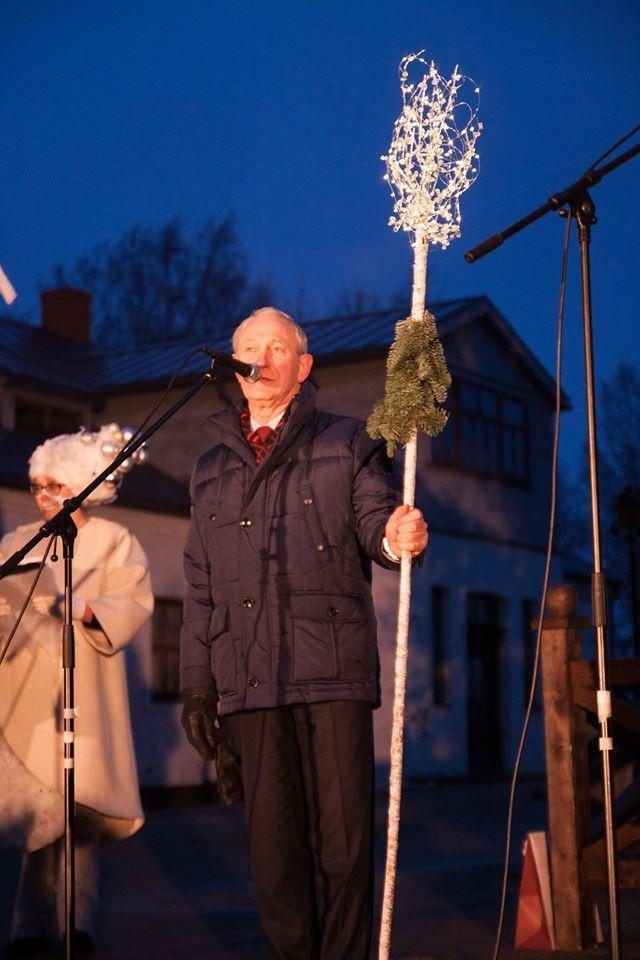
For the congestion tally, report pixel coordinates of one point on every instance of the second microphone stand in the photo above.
(581, 207)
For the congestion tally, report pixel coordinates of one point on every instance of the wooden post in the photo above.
(567, 771)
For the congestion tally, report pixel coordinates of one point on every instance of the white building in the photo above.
(483, 485)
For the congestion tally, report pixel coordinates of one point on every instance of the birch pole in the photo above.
(429, 164)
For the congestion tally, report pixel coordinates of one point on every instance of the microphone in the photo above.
(248, 371)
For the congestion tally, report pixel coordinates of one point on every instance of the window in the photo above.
(439, 621)
(31, 417)
(167, 620)
(529, 636)
(485, 643)
(486, 434)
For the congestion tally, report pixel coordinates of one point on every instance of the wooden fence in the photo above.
(577, 851)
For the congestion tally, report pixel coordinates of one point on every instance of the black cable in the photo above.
(3, 653)
(611, 149)
(543, 600)
(164, 396)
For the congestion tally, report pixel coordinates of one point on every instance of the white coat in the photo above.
(111, 575)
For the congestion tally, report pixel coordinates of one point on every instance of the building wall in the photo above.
(485, 537)
(436, 736)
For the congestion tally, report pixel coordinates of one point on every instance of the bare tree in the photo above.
(618, 432)
(618, 471)
(162, 283)
(356, 300)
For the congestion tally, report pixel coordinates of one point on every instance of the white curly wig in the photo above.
(75, 459)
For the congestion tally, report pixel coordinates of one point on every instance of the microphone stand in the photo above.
(581, 207)
(63, 526)
(68, 533)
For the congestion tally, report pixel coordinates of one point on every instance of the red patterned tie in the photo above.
(260, 440)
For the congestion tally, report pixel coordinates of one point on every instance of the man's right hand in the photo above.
(200, 722)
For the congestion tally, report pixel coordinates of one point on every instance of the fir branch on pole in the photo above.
(431, 160)
(417, 382)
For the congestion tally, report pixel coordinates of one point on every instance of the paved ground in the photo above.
(179, 890)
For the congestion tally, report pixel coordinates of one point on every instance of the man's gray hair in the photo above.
(301, 336)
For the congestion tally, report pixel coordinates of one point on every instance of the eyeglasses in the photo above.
(51, 488)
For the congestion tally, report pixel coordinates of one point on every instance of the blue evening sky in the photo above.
(115, 112)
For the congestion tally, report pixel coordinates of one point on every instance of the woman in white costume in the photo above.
(112, 599)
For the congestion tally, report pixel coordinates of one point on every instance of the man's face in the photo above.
(271, 343)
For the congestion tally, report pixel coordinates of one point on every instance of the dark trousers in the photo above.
(307, 773)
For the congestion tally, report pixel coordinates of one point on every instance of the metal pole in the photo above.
(583, 210)
(68, 535)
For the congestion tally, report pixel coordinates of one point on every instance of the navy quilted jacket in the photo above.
(278, 606)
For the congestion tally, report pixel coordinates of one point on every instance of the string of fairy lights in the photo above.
(432, 158)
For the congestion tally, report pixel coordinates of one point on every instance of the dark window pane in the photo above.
(508, 452)
(489, 404)
(486, 434)
(167, 620)
(512, 412)
(493, 450)
(30, 419)
(442, 446)
(439, 620)
(469, 398)
(520, 467)
(47, 420)
(63, 421)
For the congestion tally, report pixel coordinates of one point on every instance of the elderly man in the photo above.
(289, 507)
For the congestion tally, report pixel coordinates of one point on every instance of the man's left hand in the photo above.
(406, 529)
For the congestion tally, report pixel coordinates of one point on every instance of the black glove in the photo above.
(229, 777)
(201, 724)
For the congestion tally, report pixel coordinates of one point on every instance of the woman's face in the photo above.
(49, 494)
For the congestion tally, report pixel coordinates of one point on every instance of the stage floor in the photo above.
(180, 889)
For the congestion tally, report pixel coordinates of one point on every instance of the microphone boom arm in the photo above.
(555, 202)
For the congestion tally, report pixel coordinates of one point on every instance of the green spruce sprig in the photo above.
(416, 385)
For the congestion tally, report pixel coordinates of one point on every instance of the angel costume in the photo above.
(111, 577)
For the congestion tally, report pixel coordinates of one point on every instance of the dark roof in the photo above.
(44, 361)
(370, 333)
(36, 358)
(330, 339)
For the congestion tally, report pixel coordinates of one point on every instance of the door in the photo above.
(484, 728)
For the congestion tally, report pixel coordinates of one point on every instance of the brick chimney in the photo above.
(67, 313)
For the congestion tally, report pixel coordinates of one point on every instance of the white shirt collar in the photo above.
(273, 423)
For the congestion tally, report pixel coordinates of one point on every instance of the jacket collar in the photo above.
(226, 427)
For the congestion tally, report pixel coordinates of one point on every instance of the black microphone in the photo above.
(248, 371)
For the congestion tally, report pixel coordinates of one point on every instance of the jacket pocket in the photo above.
(333, 638)
(223, 655)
